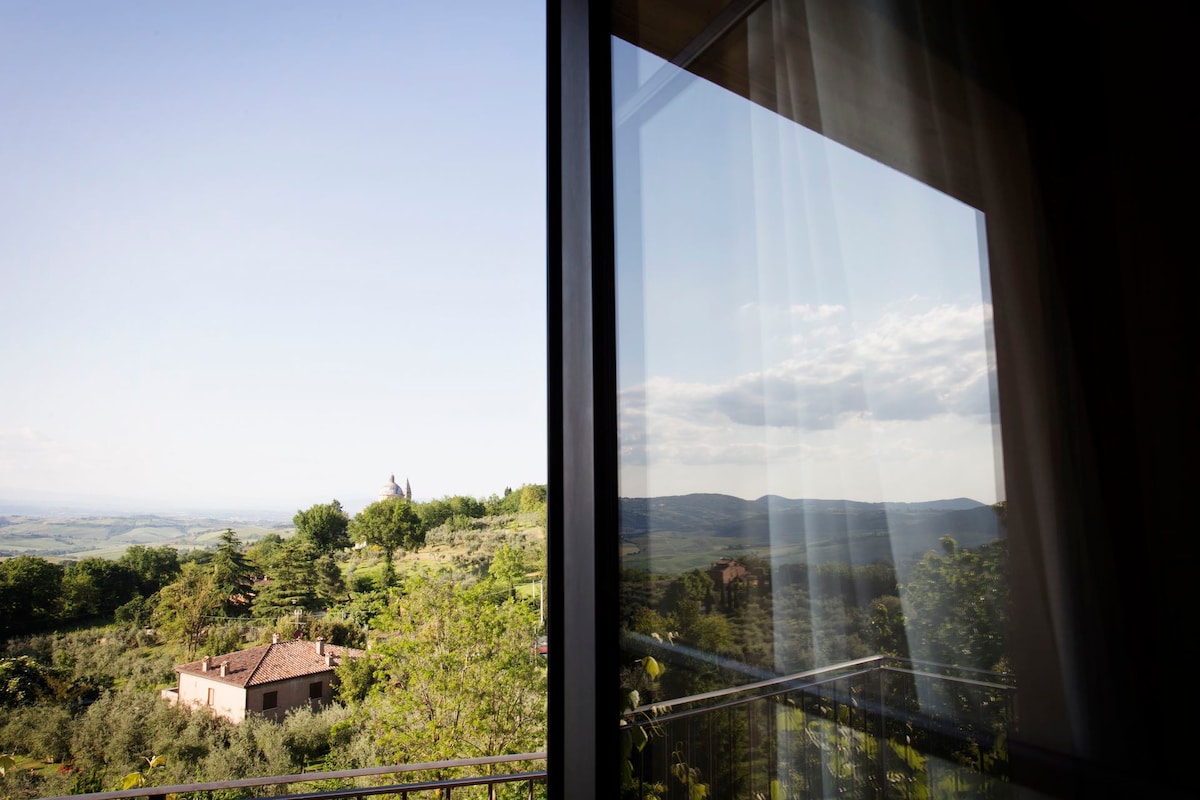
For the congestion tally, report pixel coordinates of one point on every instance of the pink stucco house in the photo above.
(270, 679)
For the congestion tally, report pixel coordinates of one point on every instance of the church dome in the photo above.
(390, 489)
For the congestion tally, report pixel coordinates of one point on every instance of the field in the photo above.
(72, 538)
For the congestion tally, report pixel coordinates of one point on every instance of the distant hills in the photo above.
(67, 537)
(663, 534)
(677, 533)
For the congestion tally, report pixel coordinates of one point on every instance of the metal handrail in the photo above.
(800, 680)
(307, 777)
(403, 789)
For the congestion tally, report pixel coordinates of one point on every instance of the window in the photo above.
(270, 700)
(316, 690)
(972, 104)
(211, 693)
(806, 408)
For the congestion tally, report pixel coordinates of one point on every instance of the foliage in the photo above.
(42, 730)
(390, 525)
(234, 575)
(957, 605)
(456, 511)
(96, 587)
(508, 566)
(291, 581)
(186, 604)
(325, 525)
(30, 588)
(23, 681)
(886, 628)
(138, 612)
(533, 498)
(456, 677)
(685, 600)
(264, 551)
(331, 584)
(154, 567)
(144, 776)
(529, 497)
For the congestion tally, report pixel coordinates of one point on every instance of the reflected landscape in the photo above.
(811, 524)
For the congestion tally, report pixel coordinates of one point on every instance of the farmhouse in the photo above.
(269, 679)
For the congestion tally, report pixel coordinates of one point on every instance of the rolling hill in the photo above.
(677, 533)
(64, 537)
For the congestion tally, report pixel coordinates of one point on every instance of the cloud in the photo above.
(903, 367)
(808, 313)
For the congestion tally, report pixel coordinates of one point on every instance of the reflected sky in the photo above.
(794, 318)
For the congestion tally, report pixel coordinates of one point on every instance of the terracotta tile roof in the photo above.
(269, 663)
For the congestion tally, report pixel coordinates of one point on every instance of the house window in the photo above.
(316, 690)
(270, 700)
(211, 693)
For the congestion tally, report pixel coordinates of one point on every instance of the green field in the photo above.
(72, 538)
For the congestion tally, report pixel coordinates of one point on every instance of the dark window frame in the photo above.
(582, 438)
(270, 700)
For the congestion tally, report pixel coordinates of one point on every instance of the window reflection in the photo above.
(810, 471)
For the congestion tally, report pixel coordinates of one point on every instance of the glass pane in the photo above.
(812, 551)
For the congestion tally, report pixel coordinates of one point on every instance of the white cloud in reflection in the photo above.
(857, 401)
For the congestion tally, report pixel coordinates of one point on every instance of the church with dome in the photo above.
(391, 489)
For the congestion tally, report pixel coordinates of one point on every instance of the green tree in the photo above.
(458, 676)
(235, 576)
(331, 583)
(390, 525)
(291, 581)
(96, 587)
(325, 525)
(508, 567)
(154, 566)
(685, 599)
(885, 626)
(457, 510)
(956, 605)
(509, 503)
(30, 588)
(263, 552)
(533, 497)
(23, 681)
(186, 605)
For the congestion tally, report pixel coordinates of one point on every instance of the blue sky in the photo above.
(796, 318)
(261, 255)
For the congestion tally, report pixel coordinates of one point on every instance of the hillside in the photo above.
(677, 533)
(65, 537)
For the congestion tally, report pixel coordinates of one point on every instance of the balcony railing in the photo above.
(875, 728)
(519, 776)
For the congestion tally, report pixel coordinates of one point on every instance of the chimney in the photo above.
(329, 659)
(224, 668)
(204, 663)
(320, 645)
(274, 638)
